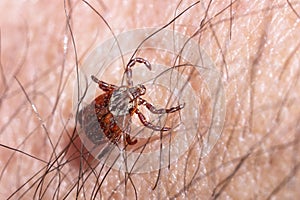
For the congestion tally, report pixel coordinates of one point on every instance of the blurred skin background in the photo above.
(255, 44)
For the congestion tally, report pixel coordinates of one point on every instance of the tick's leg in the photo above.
(139, 60)
(131, 63)
(102, 85)
(148, 124)
(127, 138)
(159, 110)
(129, 141)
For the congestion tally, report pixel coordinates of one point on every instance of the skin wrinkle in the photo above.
(254, 159)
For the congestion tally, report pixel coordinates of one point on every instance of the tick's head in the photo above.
(141, 89)
(137, 91)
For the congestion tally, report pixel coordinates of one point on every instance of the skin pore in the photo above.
(255, 44)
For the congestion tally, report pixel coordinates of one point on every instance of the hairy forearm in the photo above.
(255, 47)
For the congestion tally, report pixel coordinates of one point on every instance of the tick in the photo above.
(109, 114)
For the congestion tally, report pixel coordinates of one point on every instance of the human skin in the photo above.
(257, 51)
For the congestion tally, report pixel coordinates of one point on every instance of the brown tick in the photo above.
(110, 113)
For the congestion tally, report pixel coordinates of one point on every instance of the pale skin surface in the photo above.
(257, 156)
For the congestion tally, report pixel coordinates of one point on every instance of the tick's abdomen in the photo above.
(97, 121)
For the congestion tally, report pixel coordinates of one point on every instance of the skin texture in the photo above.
(255, 44)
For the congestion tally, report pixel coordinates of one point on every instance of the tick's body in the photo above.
(90, 118)
(110, 113)
(99, 119)
(100, 108)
